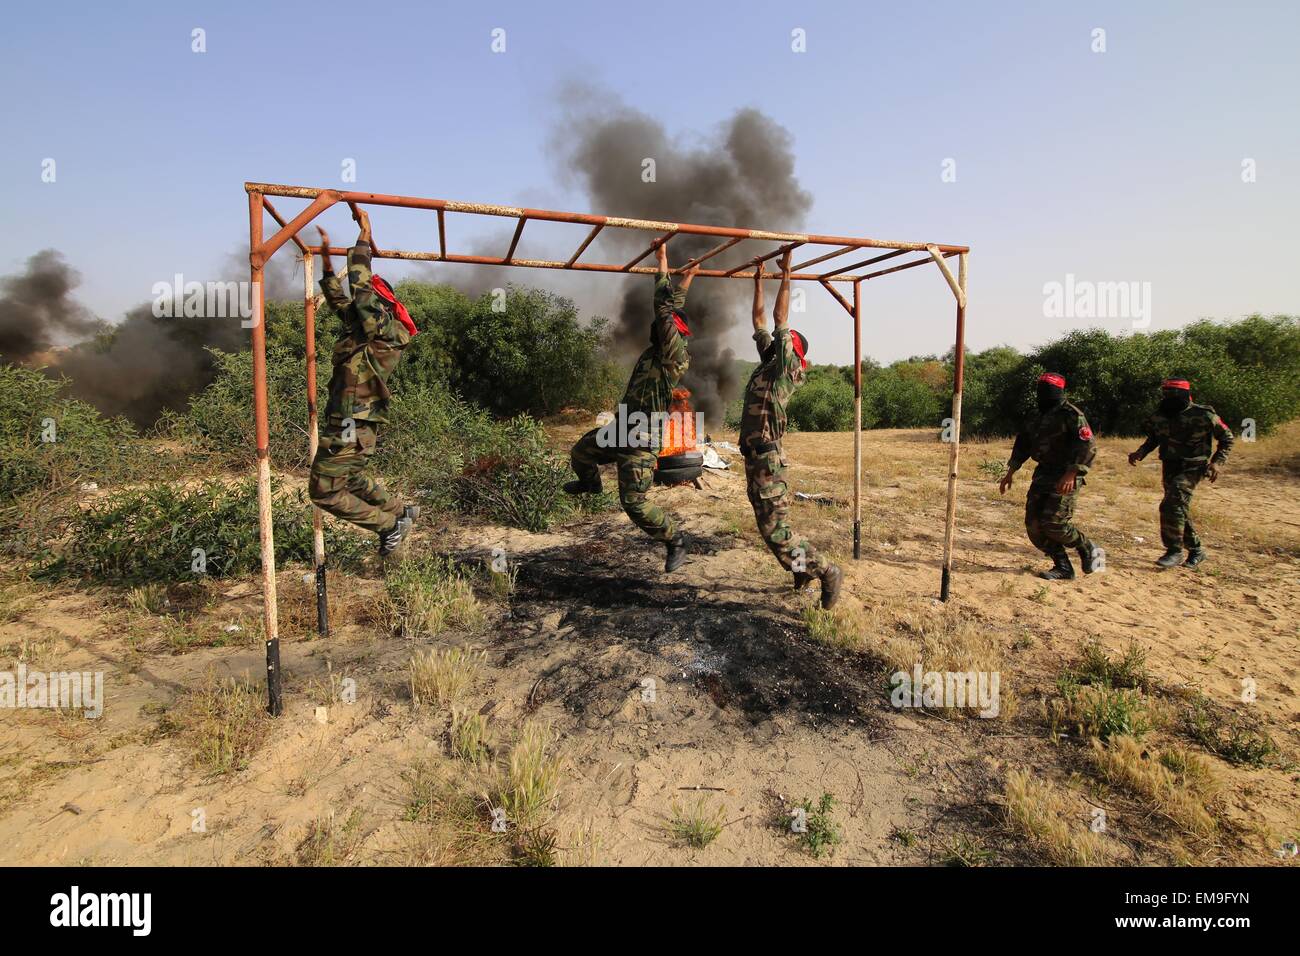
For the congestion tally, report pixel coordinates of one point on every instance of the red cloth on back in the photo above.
(385, 292)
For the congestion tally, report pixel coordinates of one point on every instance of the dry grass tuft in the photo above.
(224, 722)
(330, 844)
(452, 823)
(442, 676)
(426, 595)
(1178, 783)
(697, 824)
(471, 737)
(1052, 822)
(531, 777)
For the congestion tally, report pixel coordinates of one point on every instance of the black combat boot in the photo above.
(1195, 556)
(390, 540)
(1061, 569)
(580, 487)
(676, 552)
(832, 577)
(803, 580)
(1171, 558)
(1089, 557)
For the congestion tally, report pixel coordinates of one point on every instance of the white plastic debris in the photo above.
(713, 460)
(89, 486)
(1138, 540)
(232, 628)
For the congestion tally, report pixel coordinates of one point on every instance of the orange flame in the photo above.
(679, 425)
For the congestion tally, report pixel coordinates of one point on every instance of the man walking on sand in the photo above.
(1184, 433)
(1062, 443)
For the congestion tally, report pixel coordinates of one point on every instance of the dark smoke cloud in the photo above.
(743, 175)
(37, 310)
(137, 367)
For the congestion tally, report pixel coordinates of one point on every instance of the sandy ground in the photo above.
(749, 713)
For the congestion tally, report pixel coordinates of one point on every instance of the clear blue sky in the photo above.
(1115, 166)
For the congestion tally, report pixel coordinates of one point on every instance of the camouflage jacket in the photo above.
(763, 418)
(369, 347)
(1058, 440)
(1187, 437)
(661, 366)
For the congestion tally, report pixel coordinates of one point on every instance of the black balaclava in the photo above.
(1051, 392)
(1176, 395)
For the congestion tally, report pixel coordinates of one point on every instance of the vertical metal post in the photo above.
(857, 420)
(959, 365)
(313, 438)
(275, 700)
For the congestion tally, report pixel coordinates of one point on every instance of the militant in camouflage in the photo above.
(1062, 443)
(364, 357)
(763, 420)
(649, 392)
(1193, 442)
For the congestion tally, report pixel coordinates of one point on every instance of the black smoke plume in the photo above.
(37, 310)
(741, 176)
(137, 367)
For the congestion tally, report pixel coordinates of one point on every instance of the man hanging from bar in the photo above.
(376, 328)
(1184, 432)
(780, 371)
(1061, 441)
(631, 439)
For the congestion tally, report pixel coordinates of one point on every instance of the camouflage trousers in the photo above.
(1180, 480)
(770, 496)
(636, 474)
(1049, 519)
(339, 486)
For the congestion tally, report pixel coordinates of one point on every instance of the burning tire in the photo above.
(679, 469)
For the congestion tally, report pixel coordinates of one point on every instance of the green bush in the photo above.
(823, 404)
(1245, 370)
(520, 352)
(149, 533)
(453, 455)
(893, 399)
(86, 446)
(220, 418)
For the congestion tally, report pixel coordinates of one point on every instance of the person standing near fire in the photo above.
(780, 371)
(376, 328)
(1184, 432)
(1062, 443)
(649, 393)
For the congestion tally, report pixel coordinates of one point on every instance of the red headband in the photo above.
(797, 341)
(1181, 383)
(1051, 378)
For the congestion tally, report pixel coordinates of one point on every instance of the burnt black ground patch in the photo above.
(749, 655)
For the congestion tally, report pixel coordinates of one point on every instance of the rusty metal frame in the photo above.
(261, 248)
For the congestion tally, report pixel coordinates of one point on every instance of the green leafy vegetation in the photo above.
(812, 824)
(1246, 370)
(151, 533)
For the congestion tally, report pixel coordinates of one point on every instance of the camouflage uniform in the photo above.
(364, 358)
(1058, 440)
(762, 425)
(1184, 442)
(649, 391)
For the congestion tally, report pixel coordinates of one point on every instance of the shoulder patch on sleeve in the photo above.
(1085, 433)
